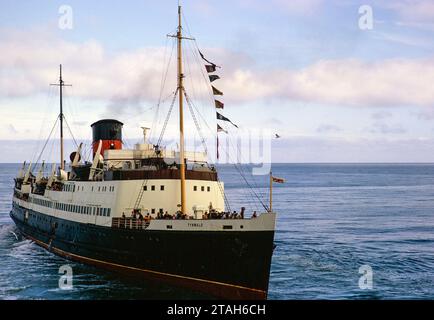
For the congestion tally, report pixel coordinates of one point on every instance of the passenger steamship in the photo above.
(149, 212)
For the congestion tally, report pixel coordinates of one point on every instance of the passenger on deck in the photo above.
(123, 215)
(242, 212)
(254, 214)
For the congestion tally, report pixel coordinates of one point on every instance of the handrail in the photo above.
(130, 223)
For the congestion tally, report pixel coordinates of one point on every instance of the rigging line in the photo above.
(211, 95)
(187, 58)
(198, 60)
(69, 105)
(162, 86)
(51, 151)
(204, 75)
(243, 174)
(193, 87)
(167, 118)
(212, 99)
(240, 170)
(199, 130)
(189, 102)
(48, 139)
(50, 99)
(206, 79)
(70, 132)
(88, 151)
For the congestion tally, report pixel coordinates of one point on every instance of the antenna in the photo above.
(145, 130)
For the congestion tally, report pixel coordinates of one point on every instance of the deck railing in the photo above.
(130, 223)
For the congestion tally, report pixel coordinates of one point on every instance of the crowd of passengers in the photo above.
(212, 214)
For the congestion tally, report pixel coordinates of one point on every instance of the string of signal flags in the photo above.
(211, 68)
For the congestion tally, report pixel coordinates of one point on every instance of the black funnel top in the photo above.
(107, 129)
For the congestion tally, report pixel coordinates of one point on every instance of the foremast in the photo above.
(181, 112)
(61, 84)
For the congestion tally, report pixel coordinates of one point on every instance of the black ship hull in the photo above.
(229, 265)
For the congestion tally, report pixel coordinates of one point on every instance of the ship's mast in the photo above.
(61, 85)
(181, 112)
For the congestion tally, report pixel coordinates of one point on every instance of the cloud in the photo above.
(414, 10)
(384, 128)
(299, 6)
(426, 115)
(290, 7)
(325, 128)
(381, 115)
(30, 62)
(127, 79)
(310, 149)
(411, 41)
(80, 123)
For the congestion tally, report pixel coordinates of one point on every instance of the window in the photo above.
(208, 189)
(195, 188)
(162, 188)
(152, 211)
(145, 188)
(108, 212)
(152, 188)
(161, 210)
(202, 188)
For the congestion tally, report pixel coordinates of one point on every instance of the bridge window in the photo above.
(202, 188)
(195, 188)
(145, 188)
(152, 188)
(208, 189)
(162, 188)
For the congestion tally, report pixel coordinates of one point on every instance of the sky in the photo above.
(334, 86)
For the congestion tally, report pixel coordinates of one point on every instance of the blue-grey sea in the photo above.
(332, 219)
